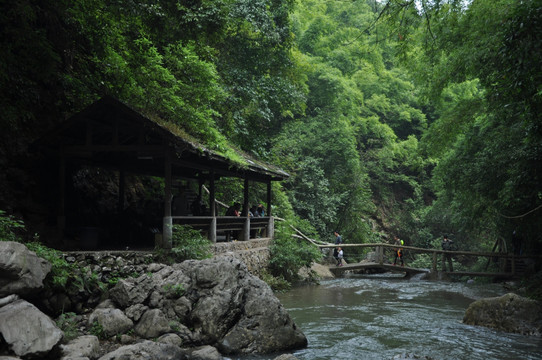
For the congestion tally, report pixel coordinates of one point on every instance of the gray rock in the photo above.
(285, 357)
(510, 313)
(172, 339)
(127, 339)
(131, 291)
(153, 323)
(9, 358)
(222, 301)
(106, 304)
(86, 346)
(8, 299)
(205, 353)
(27, 330)
(112, 321)
(238, 310)
(135, 312)
(146, 350)
(21, 271)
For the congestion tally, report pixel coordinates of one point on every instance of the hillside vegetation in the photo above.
(416, 118)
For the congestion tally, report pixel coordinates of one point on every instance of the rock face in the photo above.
(21, 270)
(27, 330)
(211, 302)
(510, 313)
(147, 350)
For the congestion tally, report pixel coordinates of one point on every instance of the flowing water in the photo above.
(384, 316)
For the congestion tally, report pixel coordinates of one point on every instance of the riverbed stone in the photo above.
(285, 357)
(206, 352)
(510, 313)
(27, 330)
(21, 271)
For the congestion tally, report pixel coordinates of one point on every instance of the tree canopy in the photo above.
(415, 118)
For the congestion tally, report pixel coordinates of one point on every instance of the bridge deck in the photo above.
(337, 270)
(370, 265)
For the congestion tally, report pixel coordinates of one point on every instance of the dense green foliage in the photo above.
(288, 256)
(416, 118)
(187, 243)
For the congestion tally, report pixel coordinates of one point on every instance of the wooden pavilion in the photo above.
(110, 135)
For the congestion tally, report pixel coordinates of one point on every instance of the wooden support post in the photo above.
(212, 204)
(434, 264)
(380, 254)
(167, 223)
(246, 229)
(270, 232)
(269, 199)
(245, 197)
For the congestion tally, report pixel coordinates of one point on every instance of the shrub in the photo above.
(288, 255)
(9, 226)
(187, 244)
(67, 322)
(276, 283)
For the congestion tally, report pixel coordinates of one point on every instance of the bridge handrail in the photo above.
(431, 251)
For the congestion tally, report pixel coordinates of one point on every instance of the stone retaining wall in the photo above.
(254, 253)
(109, 264)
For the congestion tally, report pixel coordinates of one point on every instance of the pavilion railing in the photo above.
(242, 228)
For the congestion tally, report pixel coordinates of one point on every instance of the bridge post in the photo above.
(434, 265)
(380, 254)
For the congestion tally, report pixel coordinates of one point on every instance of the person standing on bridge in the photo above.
(398, 250)
(340, 256)
(338, 241)
(447, 246)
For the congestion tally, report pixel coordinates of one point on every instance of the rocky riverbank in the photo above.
(192, 310)
(510, 313)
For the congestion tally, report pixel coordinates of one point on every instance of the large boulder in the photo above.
(212, 302)
(21, 271)
(147, 350)
(26, 330)
(510, 313)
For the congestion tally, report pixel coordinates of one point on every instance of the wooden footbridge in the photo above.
(510, 265)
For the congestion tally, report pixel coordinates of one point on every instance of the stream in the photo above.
(385, 316)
